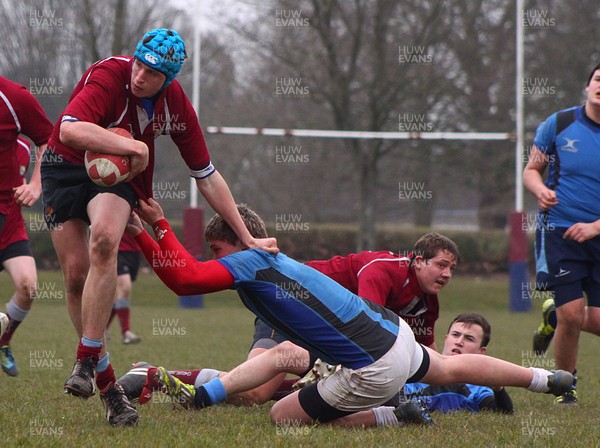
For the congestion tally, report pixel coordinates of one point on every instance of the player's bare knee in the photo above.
(571, 320)
(103, 247)
(75, 281)
(27, 288)
(276, 415)
(291, 358)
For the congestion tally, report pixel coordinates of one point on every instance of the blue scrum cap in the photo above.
(163, 50)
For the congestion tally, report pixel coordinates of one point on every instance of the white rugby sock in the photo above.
(539, 382)
(205, 376)
(384, 416)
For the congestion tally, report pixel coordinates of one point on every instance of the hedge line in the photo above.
(483, 252)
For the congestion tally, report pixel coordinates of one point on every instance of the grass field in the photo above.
(34, 411)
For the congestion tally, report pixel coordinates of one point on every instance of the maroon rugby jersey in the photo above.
(14, 227)
(386, 279)
(20, 113)
(103, 97)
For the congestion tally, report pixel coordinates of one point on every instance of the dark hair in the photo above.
(218, 230)
(430, 244)
(475, 319)
(597, 67)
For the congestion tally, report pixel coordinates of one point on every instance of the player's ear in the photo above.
(418, 262)
(482, 350)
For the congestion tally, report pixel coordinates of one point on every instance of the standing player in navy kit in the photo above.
(376, 349)
(20, 113)
(567, 241)
(139, 94)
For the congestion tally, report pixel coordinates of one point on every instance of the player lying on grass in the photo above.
(375, 348)
(468, 333)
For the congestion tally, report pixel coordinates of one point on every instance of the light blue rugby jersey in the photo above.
(311, 309)
(572, 142)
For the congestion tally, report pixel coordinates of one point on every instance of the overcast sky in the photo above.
(213, 13)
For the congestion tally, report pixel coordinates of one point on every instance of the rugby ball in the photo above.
(108, 170)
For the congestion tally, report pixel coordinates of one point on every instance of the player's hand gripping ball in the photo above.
(108, 170)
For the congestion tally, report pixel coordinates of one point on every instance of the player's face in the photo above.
(593, 89)
(464, 338)
(435, 273)
(221, 249)
(145, 81)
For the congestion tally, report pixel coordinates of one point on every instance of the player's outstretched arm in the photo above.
(173, 264)
(216, 192)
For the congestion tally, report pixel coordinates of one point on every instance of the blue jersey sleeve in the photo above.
(545, 136)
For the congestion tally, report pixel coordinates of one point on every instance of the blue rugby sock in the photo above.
(210, 393)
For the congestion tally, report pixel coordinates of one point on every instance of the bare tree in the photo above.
(348, 53)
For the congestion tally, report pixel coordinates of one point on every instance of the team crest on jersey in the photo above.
(160, 233)
(49, 212)
(22, 170)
